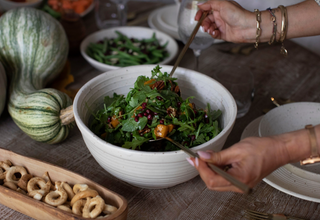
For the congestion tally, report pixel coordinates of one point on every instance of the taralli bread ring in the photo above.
(23, 181)
(80, 187)
(84, 194)
(47, 178)
(64, 208)
(68, 189)
(78, 207)
(15, 169)
(19, 190)
(37, 186)
(57, 197)
(11, 185)
(93, 207)
(3, 169)
(109, 209)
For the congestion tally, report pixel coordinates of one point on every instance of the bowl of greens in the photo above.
(118, 47)
(120, 111)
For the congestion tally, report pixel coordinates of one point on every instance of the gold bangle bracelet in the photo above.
(314, 158)
(258, 31)
(284, 29)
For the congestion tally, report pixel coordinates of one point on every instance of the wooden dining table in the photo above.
(295, 77)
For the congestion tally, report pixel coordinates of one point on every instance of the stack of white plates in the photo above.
(165, 19)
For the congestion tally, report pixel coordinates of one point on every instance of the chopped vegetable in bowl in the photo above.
(154, 109)
(123, 51)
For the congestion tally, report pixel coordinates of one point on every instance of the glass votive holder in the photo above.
(239, 81)
(110, 13)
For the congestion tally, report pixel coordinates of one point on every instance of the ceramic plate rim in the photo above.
(287, 169)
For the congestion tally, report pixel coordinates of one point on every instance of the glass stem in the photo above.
(197, 55)
(122, 10)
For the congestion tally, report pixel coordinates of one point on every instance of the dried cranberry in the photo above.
(145, 114)
(155, 113)
(149, 117)
(193, 137)
(161, 121)
(148, 111)
(136, 118)
(143, 105)
(109, 119)
(140, 115)
(205, 116)
(159, 97)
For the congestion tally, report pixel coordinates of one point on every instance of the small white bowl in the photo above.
(292, 117)
(151, 169)
(131, 32)
(7, 5)
(289, 117)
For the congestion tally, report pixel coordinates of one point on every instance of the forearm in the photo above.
(297, 144)
(303, 20)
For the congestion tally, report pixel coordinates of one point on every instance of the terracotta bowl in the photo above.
(151, 169)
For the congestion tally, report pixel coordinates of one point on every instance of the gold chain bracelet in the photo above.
(258, 31)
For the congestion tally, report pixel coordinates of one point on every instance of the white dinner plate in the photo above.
(289, 178)
(165, 19)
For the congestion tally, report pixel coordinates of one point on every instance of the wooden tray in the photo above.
(40, 210)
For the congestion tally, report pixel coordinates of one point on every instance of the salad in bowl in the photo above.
(154, 109)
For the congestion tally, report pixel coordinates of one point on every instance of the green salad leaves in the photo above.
(154, 109)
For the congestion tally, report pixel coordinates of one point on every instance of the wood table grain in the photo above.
(296, 77)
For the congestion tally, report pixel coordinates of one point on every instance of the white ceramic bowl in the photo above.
(7, 5)
(150, 169)
(291, 117)
(131, 32)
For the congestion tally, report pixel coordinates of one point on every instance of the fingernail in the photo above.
(197, 161)
(204, 155)
(190, 161)
(213, 33)
(200, 3)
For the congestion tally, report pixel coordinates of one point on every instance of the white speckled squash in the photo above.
(34, 49)
(3, 88)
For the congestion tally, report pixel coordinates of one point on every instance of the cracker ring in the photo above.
(10, 185)
(19, 190)
(64, 208)
(57, 197)
(33, 187)
(23, 181)
(83, 195)
(93, 207)
(15, 169)
(109, 209)
(68, 189)
(3, 169)
(80, 187)
(47, 178)
(78, 207)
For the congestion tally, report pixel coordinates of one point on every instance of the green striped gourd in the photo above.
(34, 49)
(3, 88)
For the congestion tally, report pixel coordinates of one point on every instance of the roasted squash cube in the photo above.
(161, 131)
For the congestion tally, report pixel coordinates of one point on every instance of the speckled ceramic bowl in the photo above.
(151, 169)
(289, 117)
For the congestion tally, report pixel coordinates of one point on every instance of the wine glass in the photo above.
(186, 24)
(110, 13)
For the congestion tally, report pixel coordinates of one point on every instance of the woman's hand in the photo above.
(228, 21)
(251, 159)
